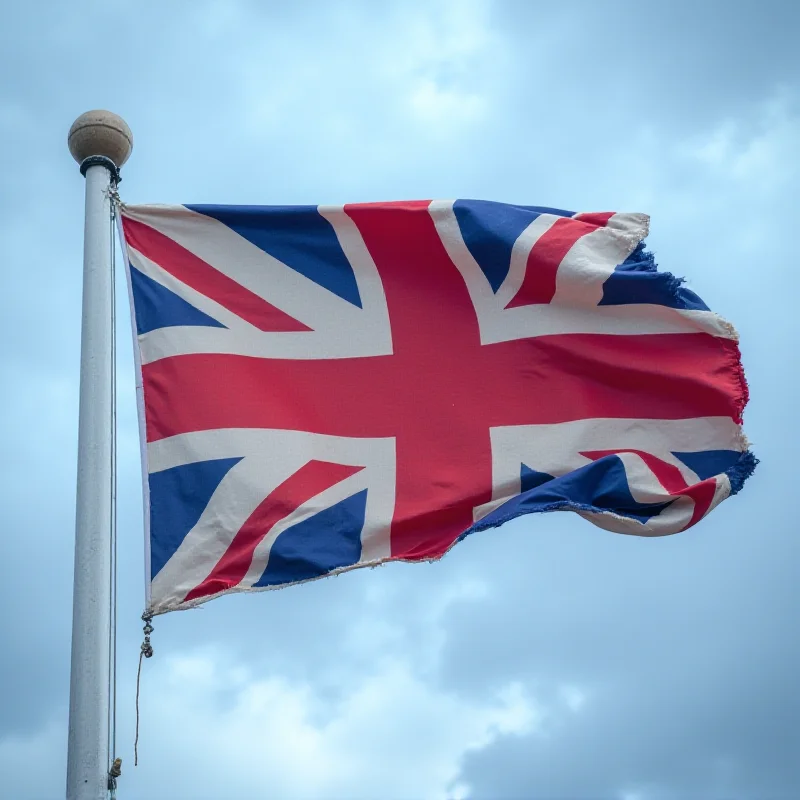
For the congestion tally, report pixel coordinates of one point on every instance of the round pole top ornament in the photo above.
(100, 133)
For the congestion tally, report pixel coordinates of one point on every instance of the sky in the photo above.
(544, 659)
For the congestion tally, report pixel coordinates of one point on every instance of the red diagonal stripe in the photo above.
(671, 478)
(207, 280)
(539, 284)
(307, 482)
(599, 218)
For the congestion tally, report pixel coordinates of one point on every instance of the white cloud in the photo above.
(573, 697)
(758, 152)
(233, 733)
(420, 72)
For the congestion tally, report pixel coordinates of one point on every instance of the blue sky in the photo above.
(545, 659)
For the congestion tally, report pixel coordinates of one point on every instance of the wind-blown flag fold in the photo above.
(323, 388)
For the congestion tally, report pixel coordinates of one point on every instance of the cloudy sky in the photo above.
(545, 659)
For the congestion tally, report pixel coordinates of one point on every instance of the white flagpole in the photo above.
(101, 142)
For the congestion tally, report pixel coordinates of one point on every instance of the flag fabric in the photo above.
(323, 388)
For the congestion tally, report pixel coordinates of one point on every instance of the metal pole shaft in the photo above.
(87, 751)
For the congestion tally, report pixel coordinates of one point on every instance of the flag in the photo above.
(330, 387)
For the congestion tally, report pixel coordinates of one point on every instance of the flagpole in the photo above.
(100, 142)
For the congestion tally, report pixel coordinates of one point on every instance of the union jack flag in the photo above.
(323, 388)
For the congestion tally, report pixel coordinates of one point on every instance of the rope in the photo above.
(136, 740)
(146, 651)
(115, 769)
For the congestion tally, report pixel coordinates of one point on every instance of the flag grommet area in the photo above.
(323, 388)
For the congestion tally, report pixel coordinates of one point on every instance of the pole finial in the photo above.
(100, 133)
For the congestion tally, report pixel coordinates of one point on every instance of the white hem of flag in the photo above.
(137, 360)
